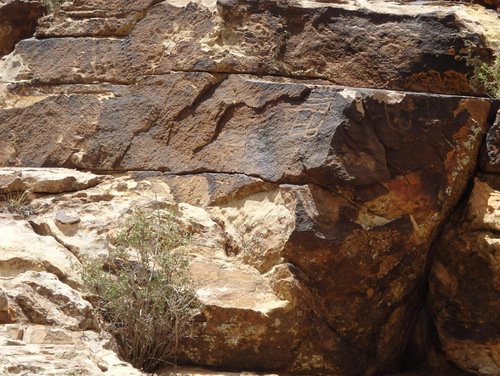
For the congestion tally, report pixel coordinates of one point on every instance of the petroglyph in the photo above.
(310, 116)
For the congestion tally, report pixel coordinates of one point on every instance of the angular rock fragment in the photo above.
(34, 252)
(43, 180)
(53, 350)
(40, 298)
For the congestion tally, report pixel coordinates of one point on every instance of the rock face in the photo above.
(464, 282)
(358, 201)
(317, 149)
(410, 49)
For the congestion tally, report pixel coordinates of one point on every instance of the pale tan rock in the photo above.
(11, 332)
(484, 205)
(221, 284)
(41, 298)
(43, 180)
(96, 212)
(243, 316)
(47, 335)
(258, 227)
(44, 350)
(21, 249)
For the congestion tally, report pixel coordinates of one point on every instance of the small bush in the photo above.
(17, 203)
(489, 75)
(53, 5)
(485, 77)
(144, 288)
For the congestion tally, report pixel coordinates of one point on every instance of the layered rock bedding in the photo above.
(337, 166)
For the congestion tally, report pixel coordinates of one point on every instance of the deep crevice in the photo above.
(18, 21)
(433, 343)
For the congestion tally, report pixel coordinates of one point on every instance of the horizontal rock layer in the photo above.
(279, 131)
(373, 45)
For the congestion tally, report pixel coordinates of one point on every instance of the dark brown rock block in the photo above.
(406, 48)
(282, 132)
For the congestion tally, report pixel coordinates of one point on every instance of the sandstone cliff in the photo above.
(337, 165)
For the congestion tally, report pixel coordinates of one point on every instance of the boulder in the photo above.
(244, 317)
(43, 180)
(299, 132)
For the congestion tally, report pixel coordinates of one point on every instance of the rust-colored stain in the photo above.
(432, 81)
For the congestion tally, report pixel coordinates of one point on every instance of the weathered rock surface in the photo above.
(465, 290)
(299, 133)
(52, 350)
(258, 261)
(213, 188)
(38, 180)
(385, 46)
(489, 160)
(41, 298)
(315, 204)
(34, 252)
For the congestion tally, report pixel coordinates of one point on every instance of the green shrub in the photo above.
(485, 77)
(489, 75)
(144, 288)
(53, 5)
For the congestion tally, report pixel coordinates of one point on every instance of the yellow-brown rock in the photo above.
(465, 290)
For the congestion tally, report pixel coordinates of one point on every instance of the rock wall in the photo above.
(318, 149)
